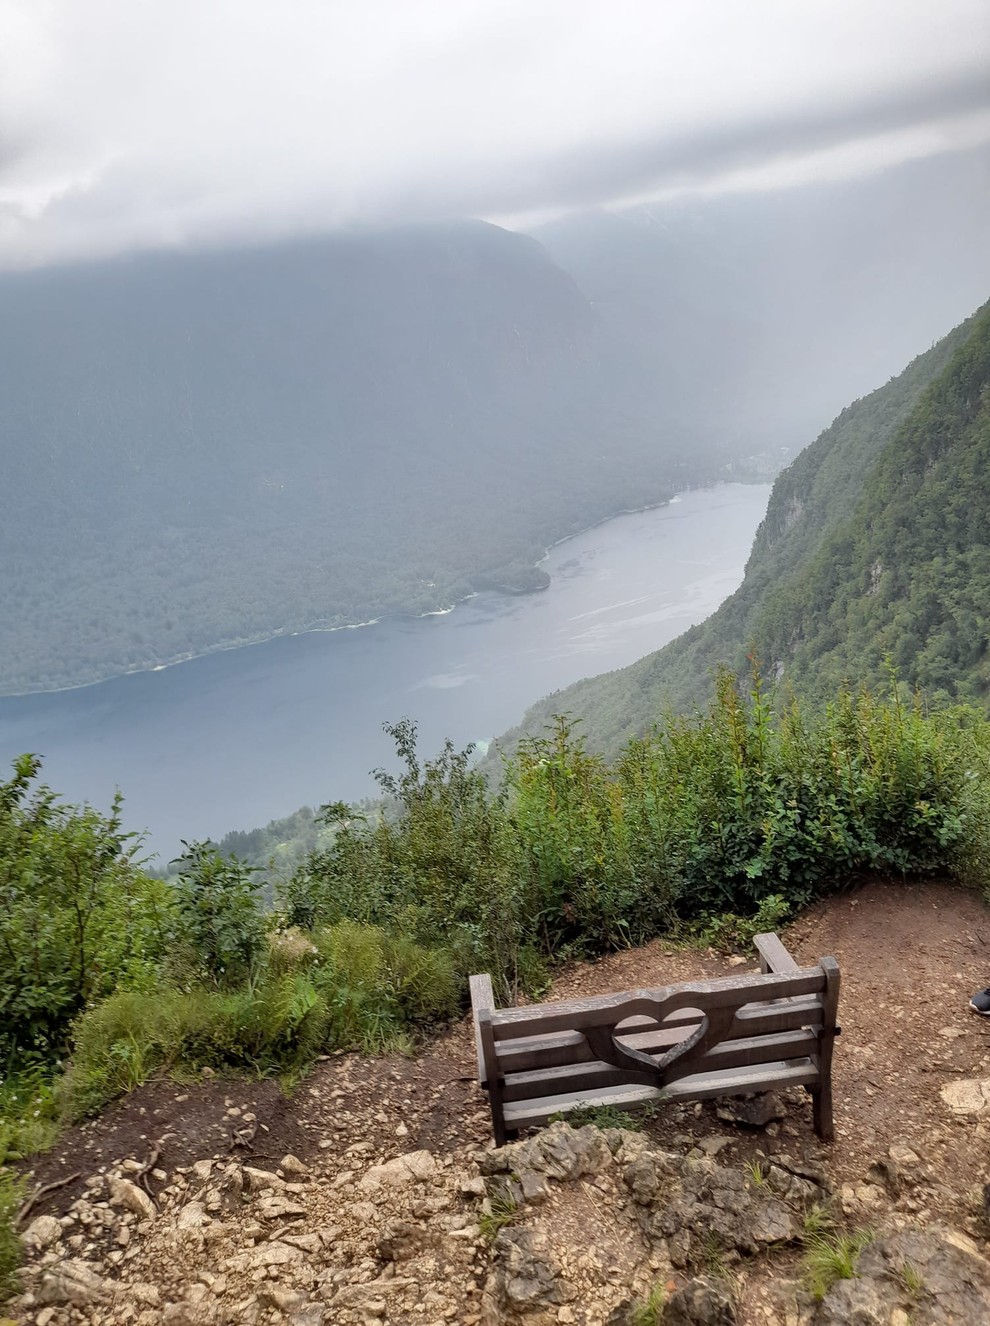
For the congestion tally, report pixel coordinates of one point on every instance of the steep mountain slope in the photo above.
(200, 449)
(876, 541)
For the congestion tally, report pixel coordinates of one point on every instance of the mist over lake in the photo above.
(237, 738)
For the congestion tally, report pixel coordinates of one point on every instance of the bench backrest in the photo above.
(654, 1037)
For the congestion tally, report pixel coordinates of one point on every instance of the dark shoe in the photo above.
(980, 1003)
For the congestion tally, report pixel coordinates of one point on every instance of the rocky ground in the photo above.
(373, 1195)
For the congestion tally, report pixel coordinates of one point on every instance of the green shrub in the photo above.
(220, 928)
(732, 934)
(78, 919)
(11, 1196)
(353, 987)
(29, 1115)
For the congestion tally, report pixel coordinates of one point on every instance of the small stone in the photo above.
(42, 1232)
(293, 1166)
(751, 1111)
(192, 1216)
(711, 1146)
(132, 1198)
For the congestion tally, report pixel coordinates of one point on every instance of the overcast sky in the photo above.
(143, 123)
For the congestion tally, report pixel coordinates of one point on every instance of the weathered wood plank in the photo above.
(773, 956)
(730, 1054)
(575, 1014)
(482, 997)
(565, 1047)
(737, 1082)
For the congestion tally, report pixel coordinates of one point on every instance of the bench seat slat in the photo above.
(565, 1047)
(572, 1077)
(701, 1086)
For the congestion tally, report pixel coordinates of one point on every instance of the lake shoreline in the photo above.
(287, 632)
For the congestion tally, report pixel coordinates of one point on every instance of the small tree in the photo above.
(77, 917)
(221, 926)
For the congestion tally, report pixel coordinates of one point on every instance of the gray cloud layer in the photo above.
(159, 122)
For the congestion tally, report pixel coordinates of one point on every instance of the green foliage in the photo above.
(77, 917)
(830, 1257)
(733, 934)
(649, 1312)
(352, 987)
(11, 1196)
(29, 1115)
(874, 545)
(500, 1210)
(605, 1116)
(219, 925)
(439, 869)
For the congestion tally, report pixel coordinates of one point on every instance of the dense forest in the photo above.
(201, 449)
(873, 554)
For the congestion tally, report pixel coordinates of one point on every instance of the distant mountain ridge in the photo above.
(875, 548)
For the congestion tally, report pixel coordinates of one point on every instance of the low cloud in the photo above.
(166, 122)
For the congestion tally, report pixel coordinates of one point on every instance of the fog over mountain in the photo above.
(155, 125)
(308, 316)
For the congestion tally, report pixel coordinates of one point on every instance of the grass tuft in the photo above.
(650, 1311)
(502, 1207)
(830, 1257)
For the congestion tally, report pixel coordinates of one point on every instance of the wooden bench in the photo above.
(693, 1041)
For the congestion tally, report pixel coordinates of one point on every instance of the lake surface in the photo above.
(235, 739)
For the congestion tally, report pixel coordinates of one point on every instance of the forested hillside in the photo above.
(875, 544)
(200, 449)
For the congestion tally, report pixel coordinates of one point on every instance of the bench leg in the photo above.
(821, 1098)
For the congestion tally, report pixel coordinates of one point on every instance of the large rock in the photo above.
(524, 1280)
(685, 1202)
(937, 1277)
(701, 1302)
(42, 1232)
(416, 1167)
(561, 1152)
(73, 1283)
(969, 1096)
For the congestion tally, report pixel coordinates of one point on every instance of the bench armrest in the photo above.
(482, 1001)
(773, 956)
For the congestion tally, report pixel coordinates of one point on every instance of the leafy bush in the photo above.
(439, 868)
(29, 1115)
(355, 987)
(78, 919)
(219, 924)
(11, 1195)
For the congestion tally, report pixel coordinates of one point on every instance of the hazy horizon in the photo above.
(157, 126)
